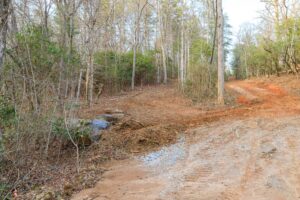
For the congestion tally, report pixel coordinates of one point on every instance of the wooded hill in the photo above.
(272, 46)
(59, 56)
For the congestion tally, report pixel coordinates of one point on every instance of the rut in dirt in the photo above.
(249, 157)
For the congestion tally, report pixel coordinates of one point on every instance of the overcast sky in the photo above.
(241, 11)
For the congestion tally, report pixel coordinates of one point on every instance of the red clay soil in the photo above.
(165, 105)
(264, 98)
(164, 113)
(156, 116)
(244, 152)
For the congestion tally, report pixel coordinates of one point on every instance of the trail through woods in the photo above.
(246, 152)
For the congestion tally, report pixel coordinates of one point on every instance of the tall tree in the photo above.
(136, 39)
(182, 62)
(220, 53)
(4, 12)
(91, 9)
(162, 41)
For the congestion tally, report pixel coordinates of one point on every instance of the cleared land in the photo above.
(250, 151)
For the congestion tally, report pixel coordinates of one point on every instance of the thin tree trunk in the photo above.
(157, 61)
(87, 83)
(187, 57)
(220, 53)
(136, 41)
(4, 12)
(215, 35)
(182, 56)
(162, 41)
(133, 67)
(91, 86)
(79, 86)
(90, 80)
(164, 64)
(134, 52)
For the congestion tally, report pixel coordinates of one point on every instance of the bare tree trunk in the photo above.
(162, 42)
(91, 86)
(136, 40)
(182, 55)
(122, 29)
(157, 61)
(14, 25)
(187, 58)
(157, 55)
(87, 83)
(90, 79)
(133, 67)
(215, 34)
(90, 16)
(79, 86)
(164, 64)
(220, 53)
(4, 12)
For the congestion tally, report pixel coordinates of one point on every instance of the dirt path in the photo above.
(254, 154)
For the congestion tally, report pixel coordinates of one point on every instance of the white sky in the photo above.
(241, 11)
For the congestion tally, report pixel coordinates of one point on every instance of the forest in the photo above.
(271, 47)
(64, 62)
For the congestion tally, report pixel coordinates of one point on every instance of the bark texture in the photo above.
(220, 53)
(4, 12)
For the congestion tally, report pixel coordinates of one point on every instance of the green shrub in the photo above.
(79, 133)
(4, 189)
(114, 69)
(7, 112)
(7, 119)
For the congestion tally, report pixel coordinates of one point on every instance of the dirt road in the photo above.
(253, 154)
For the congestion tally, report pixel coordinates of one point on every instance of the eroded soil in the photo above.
(246, 152)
